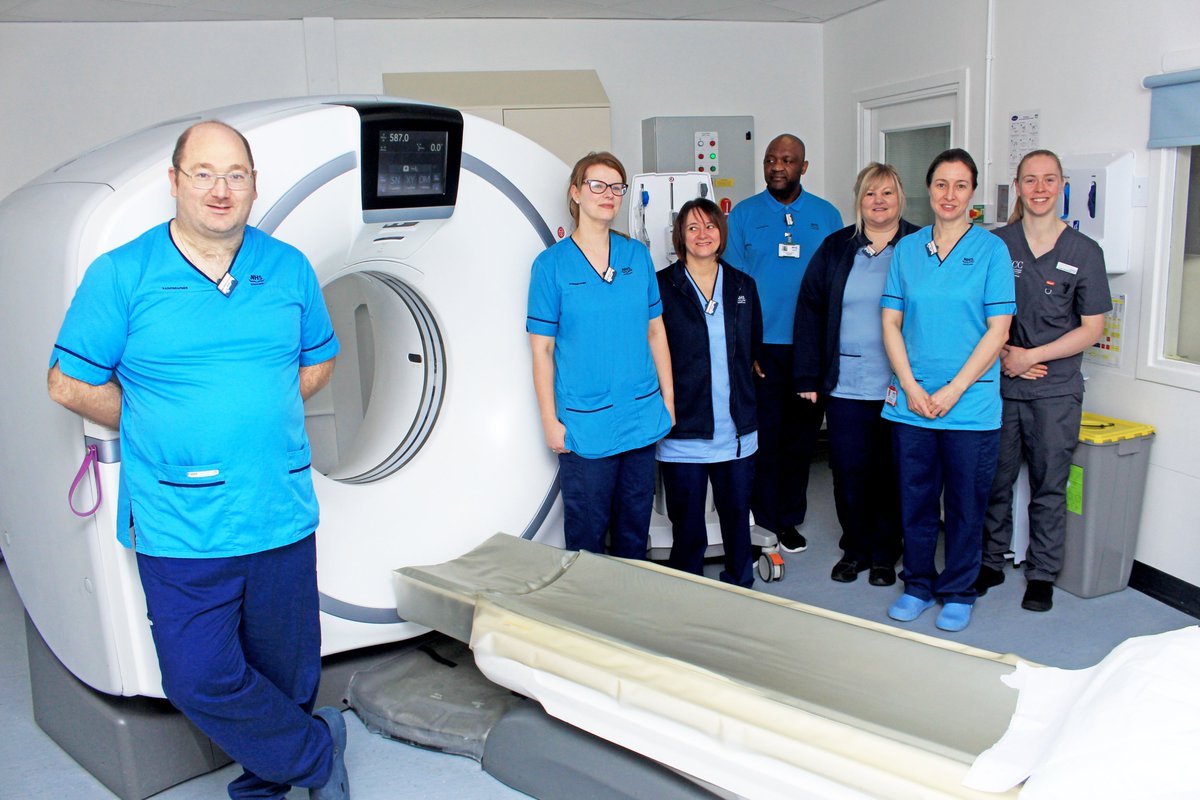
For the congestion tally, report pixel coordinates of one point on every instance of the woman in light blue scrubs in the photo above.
(601, 366)
(714, 326)
(947, 304)
(838, 355)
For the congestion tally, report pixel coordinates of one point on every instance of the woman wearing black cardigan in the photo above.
(839, 353)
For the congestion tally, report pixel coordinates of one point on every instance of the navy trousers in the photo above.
(960, 464)
(610, 496)
(239, 646)
(787, 436)
(686, 488)
(866, 493)
(1043, 433)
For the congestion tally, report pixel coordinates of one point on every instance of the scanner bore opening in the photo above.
(389, 382)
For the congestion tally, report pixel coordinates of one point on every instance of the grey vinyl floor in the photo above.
(1076, 633)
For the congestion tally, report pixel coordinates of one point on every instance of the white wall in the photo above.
(1081, 63)
(82, 84)
(769, 71)
(67, 87)
(891, 43)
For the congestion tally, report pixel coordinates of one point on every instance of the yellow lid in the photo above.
(1095, 429)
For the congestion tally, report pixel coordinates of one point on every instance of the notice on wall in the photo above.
(1024, 134)
(1107, 351)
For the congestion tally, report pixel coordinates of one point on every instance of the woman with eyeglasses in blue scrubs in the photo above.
(947, 304)
(601, 366)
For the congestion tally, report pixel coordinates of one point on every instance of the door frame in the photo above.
(868, 101)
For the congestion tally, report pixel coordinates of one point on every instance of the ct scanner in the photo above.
(421, 224)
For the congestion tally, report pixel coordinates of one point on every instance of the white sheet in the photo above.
(1128, 727)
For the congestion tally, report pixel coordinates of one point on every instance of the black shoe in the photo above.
(988, 578)
(1039, 596)
(791, 540)
(882, 576)
(846, 570)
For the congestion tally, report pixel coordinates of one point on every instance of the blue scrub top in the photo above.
(946, 303)
(725, 445)
(606, 388)
(757, 226)
(863, 367)
(215, 461)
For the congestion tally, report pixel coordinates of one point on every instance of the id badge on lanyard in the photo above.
(787, 248)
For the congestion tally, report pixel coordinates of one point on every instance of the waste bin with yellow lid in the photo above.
(1104, 504)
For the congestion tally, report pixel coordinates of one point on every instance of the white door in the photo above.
(908, 129)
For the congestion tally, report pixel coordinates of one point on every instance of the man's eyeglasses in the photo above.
(598, 187)
(236, 181)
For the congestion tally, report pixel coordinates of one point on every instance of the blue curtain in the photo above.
(1174, 109)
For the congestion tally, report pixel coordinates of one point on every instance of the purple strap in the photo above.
(92, 458)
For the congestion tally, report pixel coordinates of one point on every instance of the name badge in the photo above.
(891, 396)
(789, 251)
(1067, 268)
(711, 308)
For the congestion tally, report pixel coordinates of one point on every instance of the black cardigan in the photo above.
(687, 336)
(817, 330)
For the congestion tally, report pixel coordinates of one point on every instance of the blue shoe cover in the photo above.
(954, 617)
(907, 608)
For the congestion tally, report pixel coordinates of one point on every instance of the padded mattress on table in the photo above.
(761, 696)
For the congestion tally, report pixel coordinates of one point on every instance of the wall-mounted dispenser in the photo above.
(1097, 200)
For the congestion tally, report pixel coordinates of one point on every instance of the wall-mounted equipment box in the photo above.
(720, 147)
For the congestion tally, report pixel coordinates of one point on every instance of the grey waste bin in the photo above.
(1104, 504)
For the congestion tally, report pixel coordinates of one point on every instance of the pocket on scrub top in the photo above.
(588, 420)
(299, 478)
(647, 390)
(197, 493)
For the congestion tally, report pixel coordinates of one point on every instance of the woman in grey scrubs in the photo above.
(1062, 296)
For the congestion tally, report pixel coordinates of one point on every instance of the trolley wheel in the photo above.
(770, 566)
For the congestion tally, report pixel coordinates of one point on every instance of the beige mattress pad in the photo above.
(744, 690)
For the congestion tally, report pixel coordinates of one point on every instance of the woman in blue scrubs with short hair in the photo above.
(601, 367)
(714, 326)
(947, 305)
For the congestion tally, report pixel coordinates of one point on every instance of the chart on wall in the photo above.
(1107, 350)
(1024, 134)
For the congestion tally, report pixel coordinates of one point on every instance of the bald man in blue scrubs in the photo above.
(772, 236)
(200, 340)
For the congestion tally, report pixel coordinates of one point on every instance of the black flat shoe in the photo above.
(1039, 596)
(846, 570)
(882, 576)
(988, 578)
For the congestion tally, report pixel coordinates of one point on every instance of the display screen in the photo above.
(412, 162)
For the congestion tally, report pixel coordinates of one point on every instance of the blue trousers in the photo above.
(612, 496)
(787, 436)
(239, 646)
(960, 464)
(866, 493)
(686, 488)
(1043, 433)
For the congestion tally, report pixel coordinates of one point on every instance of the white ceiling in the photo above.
(812, 11)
